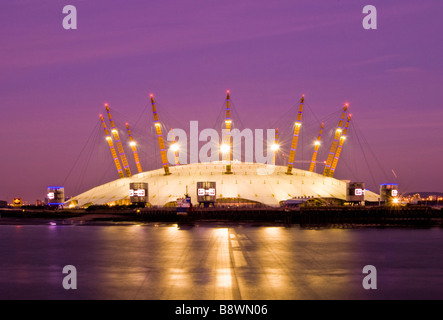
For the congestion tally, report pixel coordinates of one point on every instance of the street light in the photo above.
(275, 147)
(225, 148)
(174, 147)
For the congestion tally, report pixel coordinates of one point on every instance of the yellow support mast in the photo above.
(340, 147)
(174, 147)
(316, 146)
(134, 149)
(295, 137)
(120, 149)
(275, 148)
(333, 149)
(161, 143)
(111, 147)
(227, 144)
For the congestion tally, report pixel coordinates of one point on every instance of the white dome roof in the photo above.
(252, 181)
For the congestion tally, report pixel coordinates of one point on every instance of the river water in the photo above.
(209, 261)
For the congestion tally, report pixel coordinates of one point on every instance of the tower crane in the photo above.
(111, 147)
(134, 149)
(120, 149)
(226, 147)
(174, 147)
(333, 149)
(275, 147)
(295, 137)
(161, 143)
(316, 146)
(340, 147)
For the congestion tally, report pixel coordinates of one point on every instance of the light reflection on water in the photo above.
(206, 262)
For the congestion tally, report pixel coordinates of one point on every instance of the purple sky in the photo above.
(53, 82)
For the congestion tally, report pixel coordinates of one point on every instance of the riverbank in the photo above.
(307, 217)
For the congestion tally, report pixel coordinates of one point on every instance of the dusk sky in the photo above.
(53, 82)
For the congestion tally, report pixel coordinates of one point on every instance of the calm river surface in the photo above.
(206, 261)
